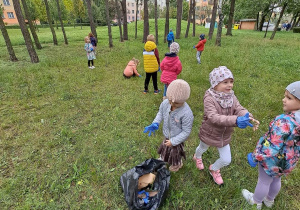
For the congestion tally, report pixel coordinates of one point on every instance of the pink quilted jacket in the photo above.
(170, 67)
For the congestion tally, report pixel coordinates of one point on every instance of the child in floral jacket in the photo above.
(278, 151)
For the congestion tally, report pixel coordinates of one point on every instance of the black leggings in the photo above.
(89, 61)
(154, 80)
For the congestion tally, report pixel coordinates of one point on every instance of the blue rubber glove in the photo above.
(140, 75)
(194, 47)
(159, 69)
(243, 122)
(151, 128)
(92, 49)
(250, 160)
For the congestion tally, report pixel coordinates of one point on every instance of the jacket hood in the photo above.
(171, 54)
(131, 63)
(149, 46)
(204, 41)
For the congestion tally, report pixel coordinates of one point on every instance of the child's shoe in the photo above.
(216, 176)
(199, 163)
(175, 168)
(90, 67)
(249, 198)
(145, 91)
(268, 203)
(156, 92)
(93, 67)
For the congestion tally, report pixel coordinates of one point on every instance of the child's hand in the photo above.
(168, 143)
(243, 121)
(194, 47)
(140, 75)
(255, 123)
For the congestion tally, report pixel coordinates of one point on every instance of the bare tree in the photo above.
(179, 17)
(9, 47)
(155, 17)
(167, 27)
(91, 18)
(136, 14)
(31, 26)
(108, 24)
(49, 18)
(119, 20)
(29, 45)
(189, 19)
(279, 19)
(125, 28)
(230, 19)
(194, 18)
(213, 20)
(146, 21)
(221, 17)
(61, 22)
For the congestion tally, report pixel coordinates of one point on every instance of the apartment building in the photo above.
(203, 11)
(9, 16)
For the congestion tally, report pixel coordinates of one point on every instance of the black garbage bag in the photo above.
(129, 183)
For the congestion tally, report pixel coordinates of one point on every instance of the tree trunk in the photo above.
(230, 20)
(49, 18)
(221, 17)
(179, 17)
(90, 13)
(119, 20)
(194, 18)
(263, 16)
(294, 20)
(213, 20)
(257, 19)
(146, 21)
(279, 19)
(9, 47)
(61, 22)
(155, 18)
(167, 20)
(189, 20)
(297, 22)
(125, 28)
(136, 14)
(108, 24)
(31, 26)
(29, 45)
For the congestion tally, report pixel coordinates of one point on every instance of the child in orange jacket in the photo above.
(200, 47)
(131, 69)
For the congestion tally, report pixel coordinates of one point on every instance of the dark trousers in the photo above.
(154, 80)
(89, 61)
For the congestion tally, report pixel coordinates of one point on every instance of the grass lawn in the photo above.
(67, 132)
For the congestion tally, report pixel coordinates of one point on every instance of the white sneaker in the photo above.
(249, 198)
(90, 67)
(93, 67)
(268, 203)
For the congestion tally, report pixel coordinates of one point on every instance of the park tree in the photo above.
(179, 18)
(136, 9)
(91, 18)
(31, 26)
(119, 20)
(125, 27)
(221, 18)
(10, 49)
(213, 20)
(40, 11)
(50, 22)
(285, 3)
(108, 24)
(194, 17)
(29, 45)
(146, 21)
(230, 20)
(189, 19)
(61, 22)
(79, 10)
(167, 26)
(185, 10)
(155, 18)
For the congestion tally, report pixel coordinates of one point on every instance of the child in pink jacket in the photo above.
(170, 66)
(131, 69)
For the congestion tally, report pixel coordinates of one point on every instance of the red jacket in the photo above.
(200, 45)
(170, 67)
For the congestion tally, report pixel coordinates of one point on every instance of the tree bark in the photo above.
(294, 20)
(108, 24)
(91, 18)
(61, 22)
(189, 19)
(221, 17)
(263, 16)
(230, 20)
(279, 19)
(29, 45)
(10, 49)
(194, 18)
(119, 20)
(213, 20)
(49, 18)
(31, 26)
(136, 14)
(146, 21)
(155, 17)
(125, 28)
(179, 17)
(167, 20)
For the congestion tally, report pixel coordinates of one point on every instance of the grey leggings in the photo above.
(224, 152)
(266, 186)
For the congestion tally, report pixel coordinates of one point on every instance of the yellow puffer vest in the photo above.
(150, 61)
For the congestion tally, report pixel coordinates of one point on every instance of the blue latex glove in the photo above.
(159, 69)
(140, 75)
(194, 47)
(250, 160)
(243, 122)
(151, 128)
(92, 49)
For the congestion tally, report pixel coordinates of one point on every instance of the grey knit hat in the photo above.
(218, 75)
(294, 89)
(174, 47)
(178, 91)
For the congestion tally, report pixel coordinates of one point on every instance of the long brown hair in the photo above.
(91, 34)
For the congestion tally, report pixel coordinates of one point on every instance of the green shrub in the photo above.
(296, 30)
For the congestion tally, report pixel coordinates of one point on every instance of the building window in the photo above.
(128, 4)
(132, 18)
(128, 11)
(138, 11)
(132, 11)
(10, 15)
(132, 4)
(6, 2)
(128, 17)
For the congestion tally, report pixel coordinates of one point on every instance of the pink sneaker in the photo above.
(216, 176)
(199, 163)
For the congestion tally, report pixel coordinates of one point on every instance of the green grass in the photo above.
(67, 133)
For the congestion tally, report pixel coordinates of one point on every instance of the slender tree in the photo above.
(9, 47)
(146, 21)
(269, 22)
(263, 16)
(61, 22)
(108, 24)
(221, 17)
(167, 27)
(31, 26)
(136, 14)
(119, 20)
(29, 45)
(125, 28)
(213, 20)
(50, 22)
(189, 19)
(230, 20)
(91, 18)
(279, 19)
(179, 17)
(155, 17)
(194, 18)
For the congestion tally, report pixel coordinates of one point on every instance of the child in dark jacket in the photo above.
(170, 38)
(93, 41)
(277, 152)
(200, 47)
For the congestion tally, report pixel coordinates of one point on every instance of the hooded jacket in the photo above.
(170, 67)
(200, 45)
(150, 60)
(131, 69)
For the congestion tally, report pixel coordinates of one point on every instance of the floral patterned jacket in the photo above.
(278, 150)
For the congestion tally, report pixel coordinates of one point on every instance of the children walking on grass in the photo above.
(151, 63)
(222, 112)
(170, 66)
(200, 47)
(178, 121)
(93, 41)
(278, 151)
(170, 38)
(89, 52)
(131, 69)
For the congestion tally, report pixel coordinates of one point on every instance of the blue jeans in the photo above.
(198, 55)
